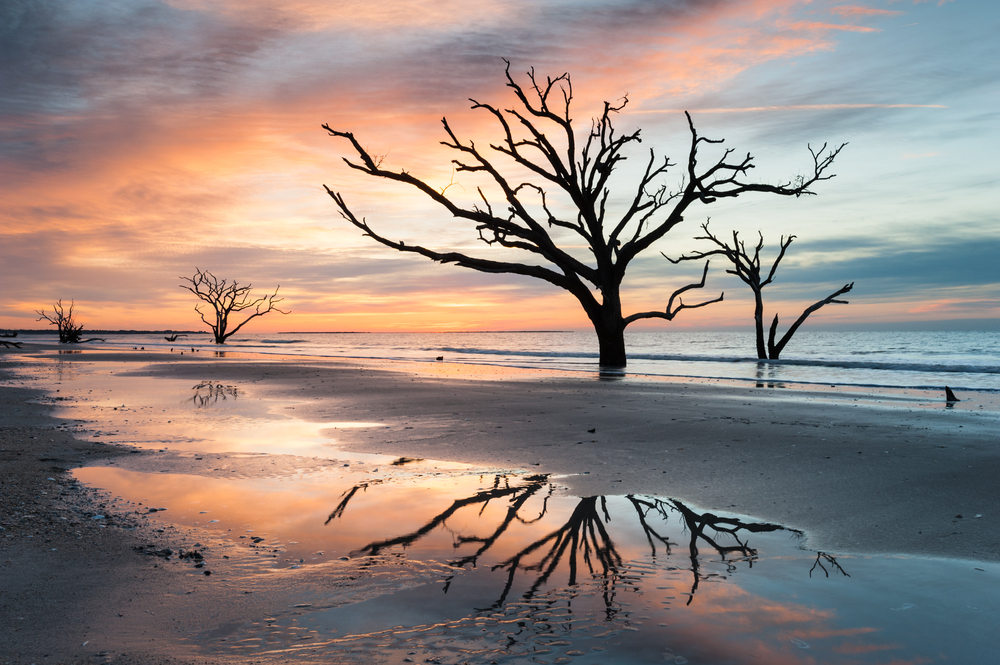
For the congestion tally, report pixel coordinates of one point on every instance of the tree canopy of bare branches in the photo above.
(226, 299)
(70, 332)
(747, 267)
(538, 136)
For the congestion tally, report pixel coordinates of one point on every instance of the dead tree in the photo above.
(538, 136)
(747, 267)
(227, 299)
(70, 332)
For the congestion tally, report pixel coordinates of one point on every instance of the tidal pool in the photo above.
(483, 568)
(374, 559)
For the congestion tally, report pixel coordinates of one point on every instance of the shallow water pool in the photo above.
(466, 567)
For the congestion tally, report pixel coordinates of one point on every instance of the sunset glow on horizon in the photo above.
(142, 139)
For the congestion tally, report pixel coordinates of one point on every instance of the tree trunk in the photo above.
(612, 344)
(610, 329)
(758, 322)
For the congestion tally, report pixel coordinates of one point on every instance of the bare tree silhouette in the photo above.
(539, 137)
(747, 268)
(70, 332)
(228, 298)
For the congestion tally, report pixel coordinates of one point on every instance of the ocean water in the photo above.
(927, 360)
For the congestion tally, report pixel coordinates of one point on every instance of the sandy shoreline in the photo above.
(858, 472)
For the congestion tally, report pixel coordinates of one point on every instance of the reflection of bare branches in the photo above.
(696, 524)
(521, 493)
(583, 544)
(348, 495)
(209, 393)
(820, 557)
(487, 542)
(584, 537)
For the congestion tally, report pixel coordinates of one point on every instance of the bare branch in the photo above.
(774, 350)
(672, 310)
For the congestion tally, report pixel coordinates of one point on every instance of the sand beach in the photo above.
(858, 471)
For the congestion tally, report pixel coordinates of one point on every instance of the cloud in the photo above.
(850, 11)
(824, 27)
(793, 107)
(139, 139)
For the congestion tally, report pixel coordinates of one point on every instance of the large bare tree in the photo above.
(227, 298)
(747, 268)
(539, 137)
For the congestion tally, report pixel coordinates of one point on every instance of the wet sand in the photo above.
(859, 472)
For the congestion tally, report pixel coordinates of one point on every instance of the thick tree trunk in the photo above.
(612, 344)
(610, 329)
(758, 322)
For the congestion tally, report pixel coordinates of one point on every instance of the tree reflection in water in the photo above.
(583, 543)
(208, 393)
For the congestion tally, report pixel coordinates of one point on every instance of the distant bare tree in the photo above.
(747, 268)
(228, 298)
(62, 318)
(572, 172)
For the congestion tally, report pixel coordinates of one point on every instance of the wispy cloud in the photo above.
(792, 107)
(823, 27)
(850, 11)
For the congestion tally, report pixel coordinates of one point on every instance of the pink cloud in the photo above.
(848, 11)
(824, 27)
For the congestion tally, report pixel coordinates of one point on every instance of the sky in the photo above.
(140, 139)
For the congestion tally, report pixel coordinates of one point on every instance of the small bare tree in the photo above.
(747, 268)
(62, 318)
(226, 299)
